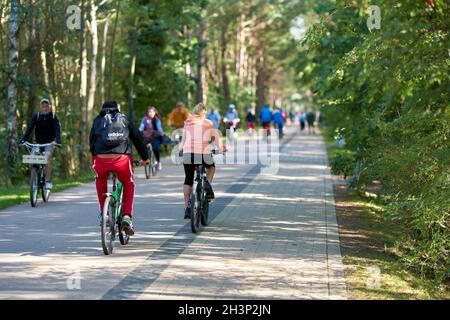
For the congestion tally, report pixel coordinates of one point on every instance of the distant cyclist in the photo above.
(198, 132)
(266, 117)
(278, 121)
(310, 119)
(110, 140)
(250, 119)
(151, 128)
(214, 117)
(178, 116)
(231, 119)
(46, 130)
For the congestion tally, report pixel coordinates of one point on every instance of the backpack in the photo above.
(114, 131)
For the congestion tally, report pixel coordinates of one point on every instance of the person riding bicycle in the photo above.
(46, 130)
(231, 118)
(152, 131)
(196, 149)
(110, 144)
(250, 119)
(266, 117)
(278, 121)
(178, 116)
(214, 117)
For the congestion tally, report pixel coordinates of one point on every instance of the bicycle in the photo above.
(198, 201)
(37, 161)
(150, 170)
(112, 216)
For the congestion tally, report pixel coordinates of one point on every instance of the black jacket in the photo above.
(46, 128)
(97, 146)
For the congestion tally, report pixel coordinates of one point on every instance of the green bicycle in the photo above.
(112, 216)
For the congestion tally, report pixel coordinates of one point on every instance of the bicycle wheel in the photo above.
(195, 213)
(33, 186)
(123, 237)
(149, 168)
(45, 192)
(153, 164)
(108, 226)
(205, 210)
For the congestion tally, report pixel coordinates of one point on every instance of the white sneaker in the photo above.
(48, 185)
(159, 166)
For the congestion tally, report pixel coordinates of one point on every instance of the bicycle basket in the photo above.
(34, 159)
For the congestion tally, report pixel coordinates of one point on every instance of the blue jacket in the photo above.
(146, 121)
(278, 117)
(214, 117)
(265, 115)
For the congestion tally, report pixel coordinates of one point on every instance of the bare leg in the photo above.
(210, 174)
(48, 169)
(187, 194)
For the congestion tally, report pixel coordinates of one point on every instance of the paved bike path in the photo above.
(43, 249)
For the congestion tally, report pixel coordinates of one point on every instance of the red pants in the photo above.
(123, 167)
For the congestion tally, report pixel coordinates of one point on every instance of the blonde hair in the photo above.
(200, 109)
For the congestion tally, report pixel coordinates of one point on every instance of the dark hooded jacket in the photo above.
(46, 128)
(97, 146)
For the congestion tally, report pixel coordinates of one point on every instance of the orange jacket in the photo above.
(177, 118)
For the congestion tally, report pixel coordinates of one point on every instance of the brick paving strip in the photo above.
(271, 237)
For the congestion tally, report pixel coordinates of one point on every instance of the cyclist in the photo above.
(178, 116)
(195, 147)
(110, 144)
(310, 119)
(231, 119)
(151, 128)
(251, 119)
(214, 117)
(278, 121)
(46, 130)
(265, 116)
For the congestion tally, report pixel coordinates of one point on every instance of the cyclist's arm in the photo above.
(136, 138)
(142, 125)
(29, 128)
(183, 139)
(57, 128)
(215, 136)
(159, 127)
(92, 138)
(170, 118)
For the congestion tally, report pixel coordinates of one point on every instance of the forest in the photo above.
(385, 91)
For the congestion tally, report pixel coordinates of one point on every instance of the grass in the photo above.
(10, 196)
(368, 250)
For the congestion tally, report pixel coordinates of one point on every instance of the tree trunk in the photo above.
(260, 81)
(201, 62)
(225, 85)
(103, 63)
(131, 80)
(93, 62)
(13, 59)
(82, 94)
(33, 60)
(111, 54)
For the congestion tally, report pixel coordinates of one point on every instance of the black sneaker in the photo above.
(187, 213)
(209, 191)
(127, 225)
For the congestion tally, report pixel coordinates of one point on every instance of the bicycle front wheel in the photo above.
(33, 186)
(108, 226)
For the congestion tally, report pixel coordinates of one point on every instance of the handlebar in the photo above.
(37, 145)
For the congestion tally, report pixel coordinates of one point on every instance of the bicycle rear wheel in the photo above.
(33, 186)
(205, 212)
(195, 213)
(108, 226)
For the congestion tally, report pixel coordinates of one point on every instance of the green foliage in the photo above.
(389, 89)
